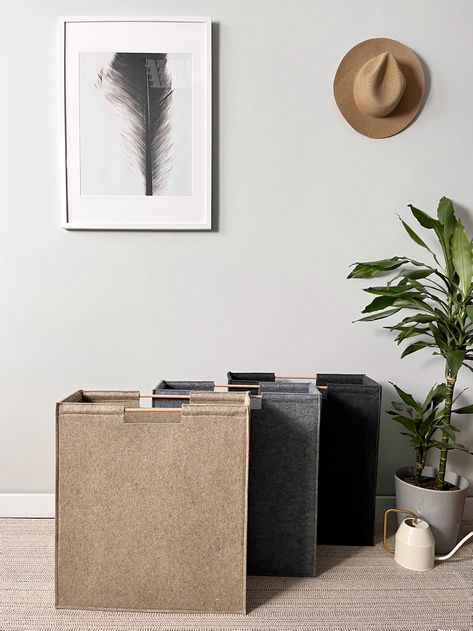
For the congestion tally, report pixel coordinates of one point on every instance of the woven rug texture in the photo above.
(358, 589)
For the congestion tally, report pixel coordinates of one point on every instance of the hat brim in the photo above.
(411, 100)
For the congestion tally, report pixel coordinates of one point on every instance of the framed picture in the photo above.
(136, 100)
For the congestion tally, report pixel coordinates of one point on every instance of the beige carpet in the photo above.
(357, 589)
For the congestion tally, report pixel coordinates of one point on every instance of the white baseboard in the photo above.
(26, 504)
(42, 505)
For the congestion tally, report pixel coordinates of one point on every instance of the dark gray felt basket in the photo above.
(176, 389)
(283, 475)
(349, 437)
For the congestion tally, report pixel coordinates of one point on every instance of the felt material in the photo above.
(250, 377)
(225, 398)
(288, 386)
(356, 380)
(222, 398)
(151, 507)
(349, 438)
(185, 385)
(177, 388)
(282, 498)
(234, 378)
(282, 501)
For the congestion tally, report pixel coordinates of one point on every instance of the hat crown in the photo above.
(379, 85)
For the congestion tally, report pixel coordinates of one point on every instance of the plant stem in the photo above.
(419, 465)
(451, 380)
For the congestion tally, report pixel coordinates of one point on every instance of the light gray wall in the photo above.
(300, 197)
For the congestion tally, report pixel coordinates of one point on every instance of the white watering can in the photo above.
(414, 546)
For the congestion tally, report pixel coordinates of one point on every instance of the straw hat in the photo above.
(379, 87)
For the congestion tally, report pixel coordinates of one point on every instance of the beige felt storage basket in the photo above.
(151, 505)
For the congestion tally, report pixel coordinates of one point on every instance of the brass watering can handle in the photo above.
(394, 510)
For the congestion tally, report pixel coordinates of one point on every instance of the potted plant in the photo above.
(422, 422)
(438, 299)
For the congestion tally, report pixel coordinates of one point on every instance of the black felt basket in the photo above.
(349, 438)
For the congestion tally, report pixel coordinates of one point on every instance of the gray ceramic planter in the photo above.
(443, 510)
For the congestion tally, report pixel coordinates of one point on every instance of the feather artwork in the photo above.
(139, 87)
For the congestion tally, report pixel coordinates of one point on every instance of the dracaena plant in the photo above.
(422, 422)
(437, 297)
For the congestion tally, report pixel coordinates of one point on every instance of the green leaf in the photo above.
(408, 333)
(462, 254)
(417, 273)
(445, 210)
(395, 290)
(381, 302)
(439, 340)
(435, 396)
(420, 319)
(428, 427)
(415, 237)
(407, 398)
(459, 394)
(428, 399)
(467, 409)
(440, 393)
(469, 312)
(425, 220)
(448, 430)
(379, 316)
(451, 446)
(455, 429)
(413, 348)
(412, 301)
(408, 423)
(455, 360)
(446, 215)
(373, 268)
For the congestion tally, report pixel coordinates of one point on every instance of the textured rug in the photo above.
(357, 589)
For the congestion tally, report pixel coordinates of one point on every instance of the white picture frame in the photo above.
(112, 180)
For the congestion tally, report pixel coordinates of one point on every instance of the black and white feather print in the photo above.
(139, 88)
